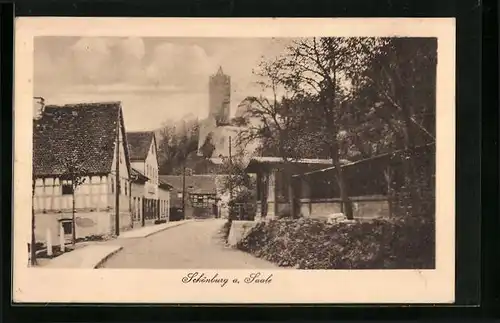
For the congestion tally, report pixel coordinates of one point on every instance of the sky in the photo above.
(156, 79)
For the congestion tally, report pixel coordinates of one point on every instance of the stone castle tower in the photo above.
(219, 97)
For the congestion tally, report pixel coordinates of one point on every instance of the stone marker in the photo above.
(336, 218)
(49, 243)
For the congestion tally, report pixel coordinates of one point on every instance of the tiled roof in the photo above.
(197, 184)
(84, 132)
(139, 144)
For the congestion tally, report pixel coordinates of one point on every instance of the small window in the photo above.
(67, 227)
(126, 188)
(112, 186)
(67, 189)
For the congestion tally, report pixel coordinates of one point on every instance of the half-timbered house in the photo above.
(87, 141)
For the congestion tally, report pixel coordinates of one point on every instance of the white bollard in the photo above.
(49, 243)
(61, 238)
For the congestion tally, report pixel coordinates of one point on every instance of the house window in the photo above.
(112, 185)
(126, 187)
(67, 227)
(67, 189)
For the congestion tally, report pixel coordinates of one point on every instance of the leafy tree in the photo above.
(208, 146)
(239, 184)
(396, 94)
(317, 67)
(177, 143)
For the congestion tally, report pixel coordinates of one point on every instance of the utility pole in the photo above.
(117, 193)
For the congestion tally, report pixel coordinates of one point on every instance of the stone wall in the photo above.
(239, 230)
(364, 207)
(87, 224)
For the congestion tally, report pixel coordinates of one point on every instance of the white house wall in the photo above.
(151, 171)
(91, 195)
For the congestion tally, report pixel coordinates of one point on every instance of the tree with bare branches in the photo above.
(280, 122)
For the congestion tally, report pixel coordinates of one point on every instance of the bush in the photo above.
(314, 244)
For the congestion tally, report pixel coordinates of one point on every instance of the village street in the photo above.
(192, 245)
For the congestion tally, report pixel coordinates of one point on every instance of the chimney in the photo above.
(38, 107)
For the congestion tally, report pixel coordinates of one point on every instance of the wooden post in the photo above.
(49, 242)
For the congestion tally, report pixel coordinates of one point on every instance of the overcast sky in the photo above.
(156, 79)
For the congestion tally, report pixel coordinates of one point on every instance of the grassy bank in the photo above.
(314, 244)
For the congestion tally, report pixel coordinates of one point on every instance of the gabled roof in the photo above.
(195, 184)
(137, 176)
(84, 133)
(139, 143)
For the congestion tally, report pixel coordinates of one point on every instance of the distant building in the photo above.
(87, 137)
(150, 200)
(219, 97)
(217, 131)
(201, 200)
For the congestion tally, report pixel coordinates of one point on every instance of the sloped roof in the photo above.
(138, 176)
(84, 133)
(139, 143)
(196, 184)
(255, 162)
(164, 184)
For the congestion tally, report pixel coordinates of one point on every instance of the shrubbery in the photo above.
(314, 244)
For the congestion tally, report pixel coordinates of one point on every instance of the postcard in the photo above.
(252, 161)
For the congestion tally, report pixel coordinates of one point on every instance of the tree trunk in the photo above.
(73, 217)
(390, 191)
(344, 196)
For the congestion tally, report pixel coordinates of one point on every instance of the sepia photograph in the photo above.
(238, 158)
